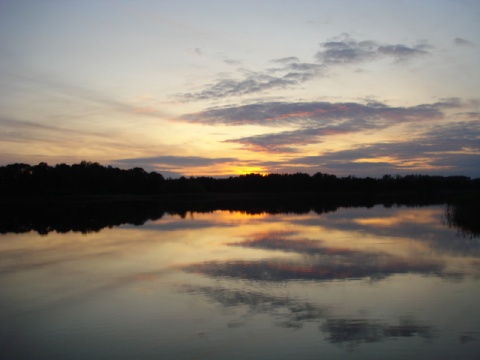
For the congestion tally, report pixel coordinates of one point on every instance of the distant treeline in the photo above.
(91, 178)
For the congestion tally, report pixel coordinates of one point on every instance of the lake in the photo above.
(377, 282)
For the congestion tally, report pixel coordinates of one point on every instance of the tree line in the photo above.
(92, 178)
(83, 178)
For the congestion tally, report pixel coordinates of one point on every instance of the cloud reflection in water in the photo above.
(314, 262)
(293, 313)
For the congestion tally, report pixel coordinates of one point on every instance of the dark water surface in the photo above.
(359, 283)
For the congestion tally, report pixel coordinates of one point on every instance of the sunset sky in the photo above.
(220, 88)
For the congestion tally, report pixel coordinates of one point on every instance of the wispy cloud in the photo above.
(231, 62)
(290, 71)
(287, 60)
(15, 130)
(176, 160)
(288, 141)
(172, 166)
(462, 42)
(85, 97)
(350, 51)
(254, 82)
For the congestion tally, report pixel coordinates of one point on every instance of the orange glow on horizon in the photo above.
(244, 170)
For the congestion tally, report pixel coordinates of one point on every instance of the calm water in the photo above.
(356, 283)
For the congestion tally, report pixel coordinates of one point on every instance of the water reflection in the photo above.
(92, 216)
(464, 215)
(355, 331)
(314, 269)
(356, 282)
(293, 313)
(84, 217)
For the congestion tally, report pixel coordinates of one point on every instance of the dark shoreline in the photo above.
(89, 180)
(402, 197)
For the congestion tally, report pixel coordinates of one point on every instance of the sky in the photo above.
(222, 88)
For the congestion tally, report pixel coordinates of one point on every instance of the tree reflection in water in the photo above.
(464, 215)
(93, 215)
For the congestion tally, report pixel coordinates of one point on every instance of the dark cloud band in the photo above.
(313, 113)
(175, 161)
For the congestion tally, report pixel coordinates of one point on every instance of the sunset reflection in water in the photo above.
(229, 284)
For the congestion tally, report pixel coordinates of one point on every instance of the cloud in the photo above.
(293, 72)
(462, 42)
(286, 60)
(22, 131)
(312, 113)
(313, 120)
(445, 149)
(453, 148)
(25, 131)
(346, 52)
(459, 164)
(288, 75)
(287, 141)
(301, 72)
(253, 83)
(175, 161)
(402, 52)
(350, 51)
(462, 133)
(231, 62)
